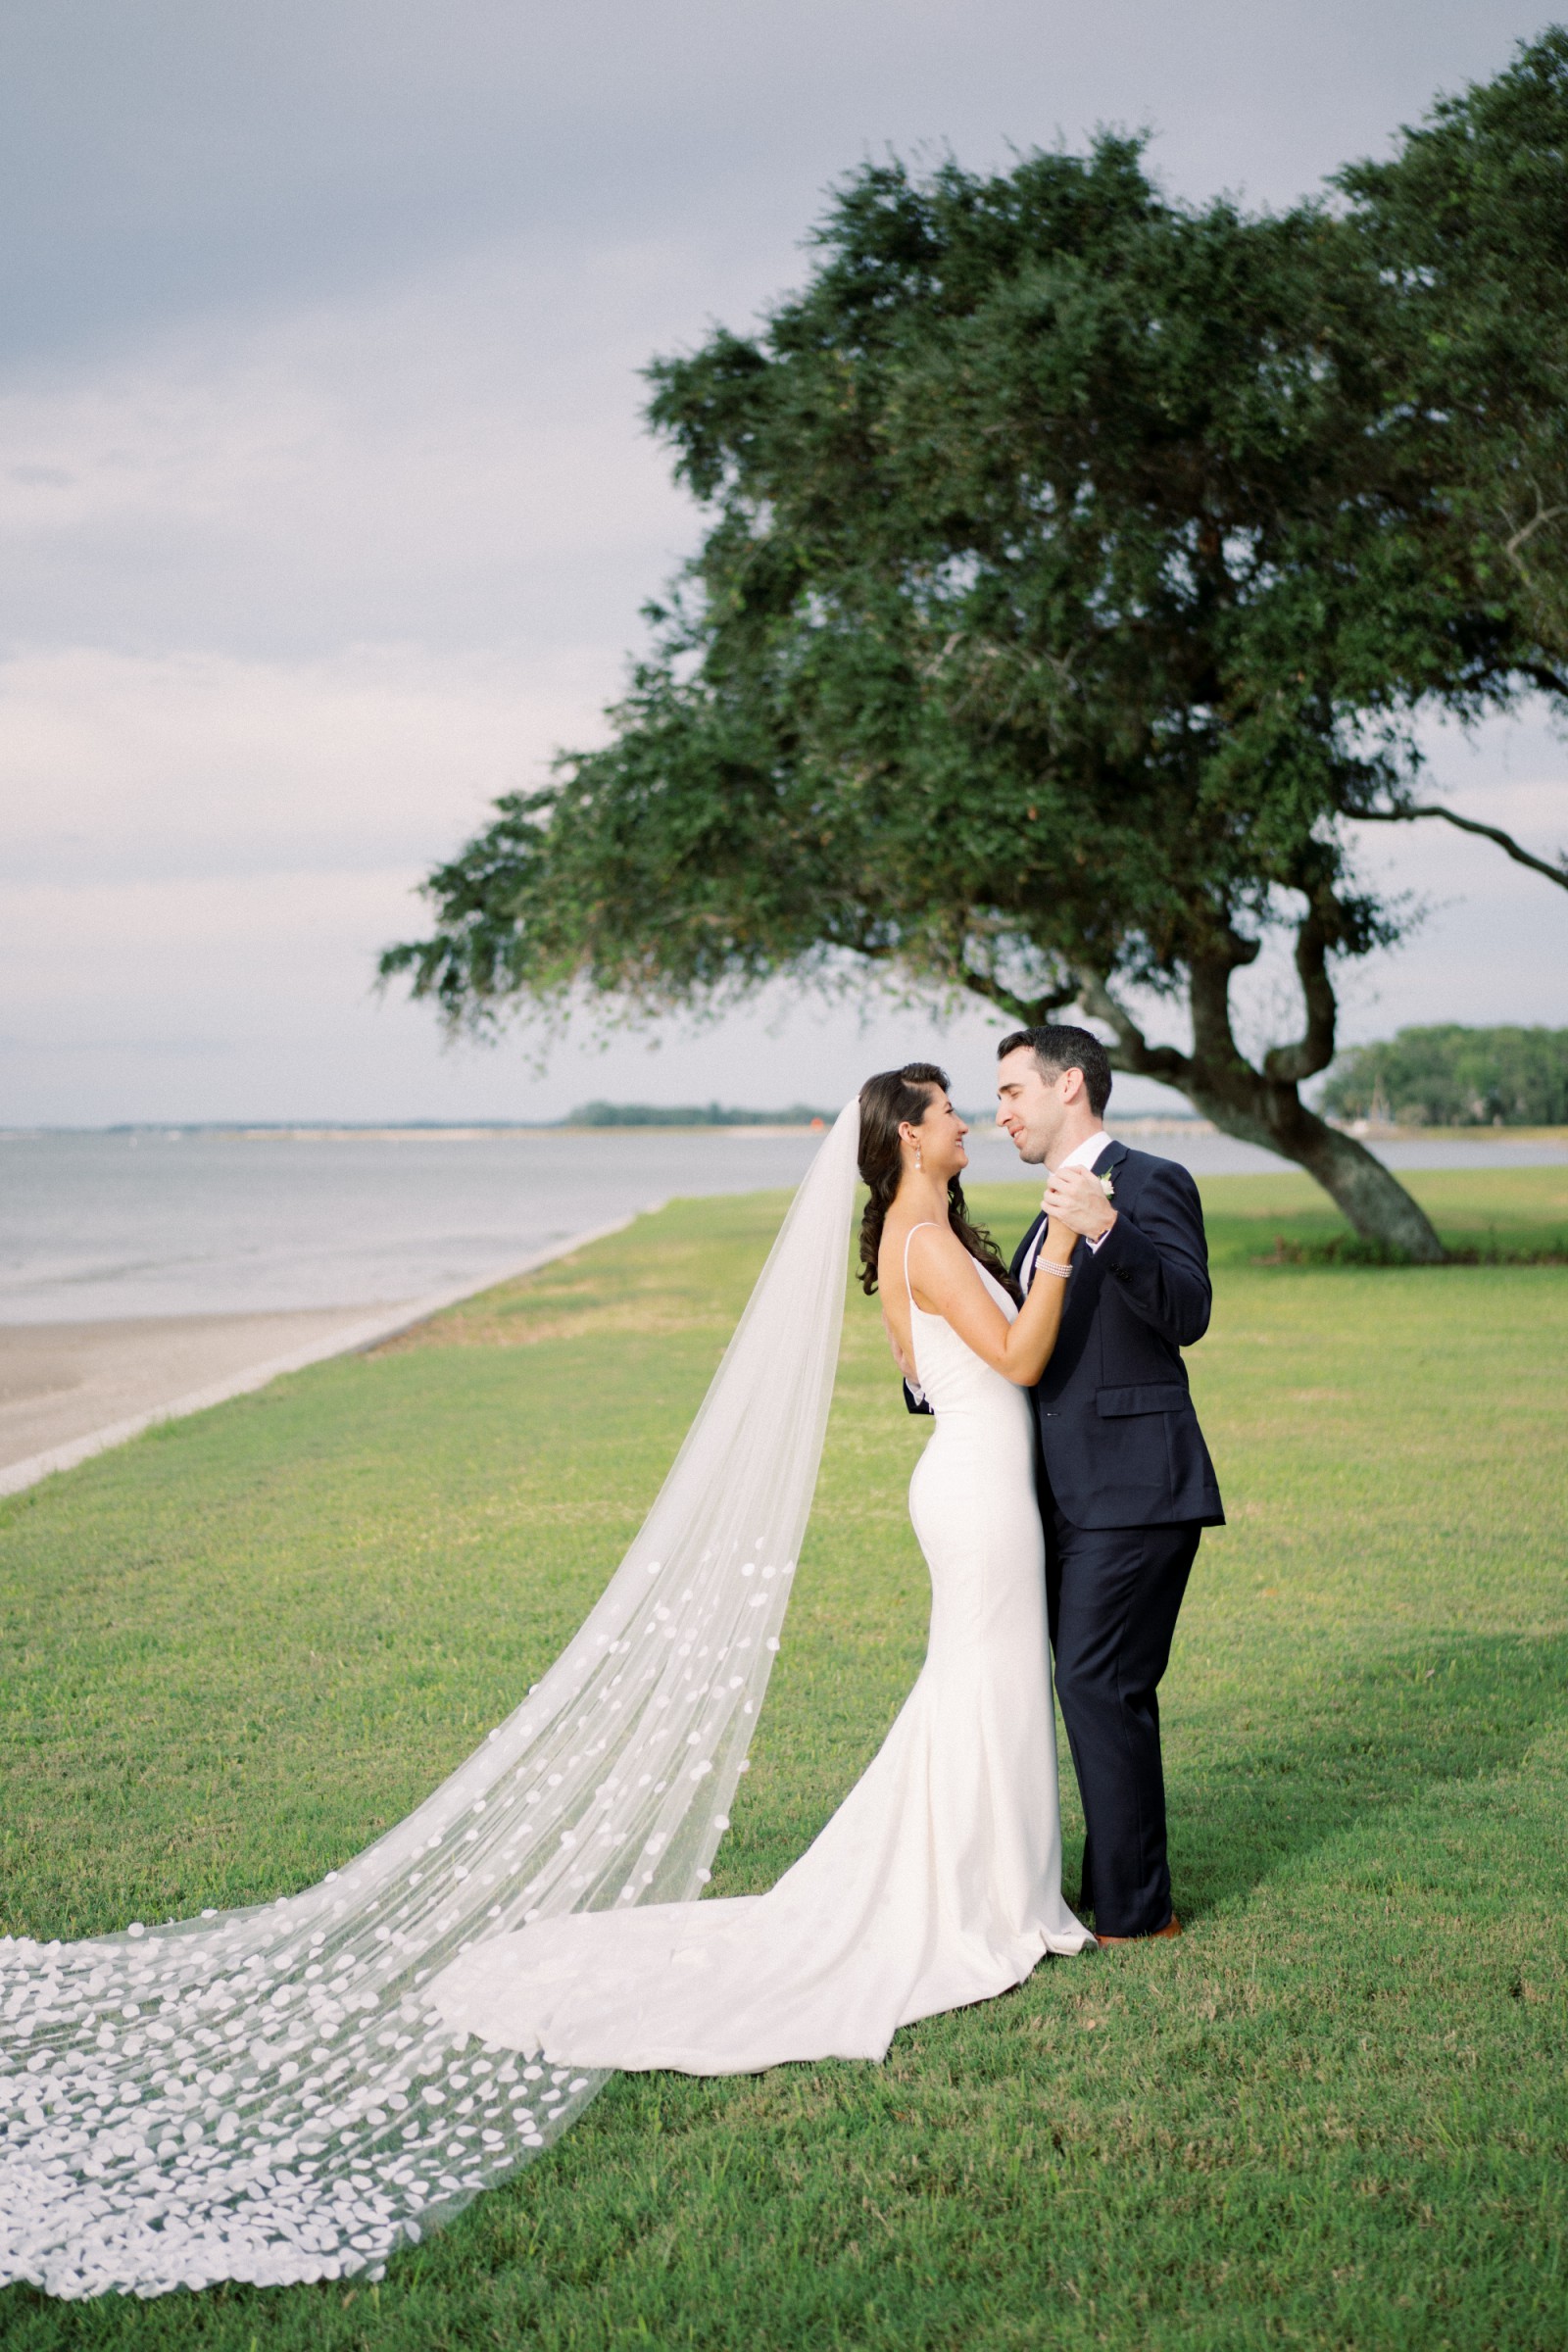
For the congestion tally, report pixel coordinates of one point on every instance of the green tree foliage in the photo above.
(1067, 589)
(1468, 225)
(1451, 1076)
(1469, 222)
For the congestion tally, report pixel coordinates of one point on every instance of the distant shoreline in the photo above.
(307, 1131)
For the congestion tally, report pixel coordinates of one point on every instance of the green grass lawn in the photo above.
(1336, 2115)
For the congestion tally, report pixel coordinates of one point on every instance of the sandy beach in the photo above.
(64, 1381)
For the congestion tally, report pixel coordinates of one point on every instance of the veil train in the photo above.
(266, 2094)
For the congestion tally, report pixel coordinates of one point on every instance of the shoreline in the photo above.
(49, 1371)
(75, 1386)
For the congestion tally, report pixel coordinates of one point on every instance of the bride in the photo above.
(296, 2090)
(938, 1880)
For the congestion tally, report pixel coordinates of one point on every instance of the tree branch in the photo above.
(1215, 1051)
(1527, 531)
(1505, 842)
(1030, 1012)
(1132, 1051)
(1314, 1050)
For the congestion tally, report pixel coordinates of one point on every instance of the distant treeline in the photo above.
(1456, 1077)
(691, 1115)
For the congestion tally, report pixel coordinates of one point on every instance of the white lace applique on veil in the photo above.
(269, 2095)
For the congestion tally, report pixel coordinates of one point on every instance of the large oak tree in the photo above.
(1075, 561)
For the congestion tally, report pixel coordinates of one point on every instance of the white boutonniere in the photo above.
(1107, 1187)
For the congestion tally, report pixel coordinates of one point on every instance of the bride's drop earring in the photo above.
(919, 1161)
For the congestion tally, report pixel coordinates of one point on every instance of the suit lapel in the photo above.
(1111, 1159)
(1079, 1284)
(1108, 1162)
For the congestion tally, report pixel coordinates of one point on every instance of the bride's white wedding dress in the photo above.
(294, 2090)
(938, 1880)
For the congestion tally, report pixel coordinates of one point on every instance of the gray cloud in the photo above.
(175, 157)
(330, 512)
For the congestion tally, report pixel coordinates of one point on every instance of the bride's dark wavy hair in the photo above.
(886, 1101)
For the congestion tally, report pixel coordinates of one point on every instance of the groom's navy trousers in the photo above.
(1113, 1593)
(1126, 1489)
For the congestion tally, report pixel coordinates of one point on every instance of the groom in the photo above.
(1126, 1485)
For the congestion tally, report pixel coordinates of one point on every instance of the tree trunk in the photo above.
(1370, 1194)
(1264, 1106)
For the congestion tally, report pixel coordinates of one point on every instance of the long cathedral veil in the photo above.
(265, 2094)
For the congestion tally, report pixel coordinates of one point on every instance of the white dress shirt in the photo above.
(1082, 1155)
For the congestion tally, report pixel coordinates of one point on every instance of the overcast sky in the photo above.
(328, 511)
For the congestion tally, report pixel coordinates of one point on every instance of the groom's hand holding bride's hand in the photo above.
(1076, 1198)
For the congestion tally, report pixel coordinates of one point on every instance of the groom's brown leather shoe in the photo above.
(1172, 1927)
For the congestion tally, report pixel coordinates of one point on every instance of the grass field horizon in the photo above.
(1335, 2115)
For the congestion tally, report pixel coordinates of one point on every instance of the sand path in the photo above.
(61, 1382)
(71, 1389)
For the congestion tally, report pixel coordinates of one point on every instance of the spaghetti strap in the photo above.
(924, 1224)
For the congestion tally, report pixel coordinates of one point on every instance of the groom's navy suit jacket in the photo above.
(1119, 1435)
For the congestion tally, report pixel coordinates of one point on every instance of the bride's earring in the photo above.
(919, 1161)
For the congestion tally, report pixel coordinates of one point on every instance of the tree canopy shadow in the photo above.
(1386, 1730)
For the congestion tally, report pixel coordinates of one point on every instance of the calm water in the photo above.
(105, 1226)
(96, 1226)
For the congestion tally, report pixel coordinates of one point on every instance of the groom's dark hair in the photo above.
(1058, 1047)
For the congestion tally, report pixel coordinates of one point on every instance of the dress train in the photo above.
(938, 1880)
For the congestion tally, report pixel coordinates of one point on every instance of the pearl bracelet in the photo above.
(1049, 1265)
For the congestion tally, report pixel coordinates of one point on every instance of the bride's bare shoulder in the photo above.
(898, 1234)
(918, 1246)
